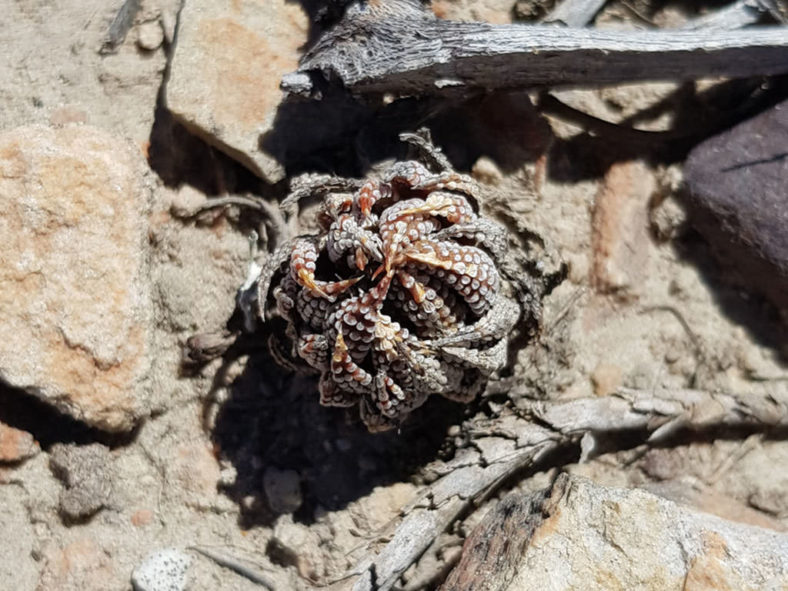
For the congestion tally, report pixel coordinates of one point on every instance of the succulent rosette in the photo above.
(398, 296)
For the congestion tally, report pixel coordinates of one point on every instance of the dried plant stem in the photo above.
(511, 444)
(398, 47)
(234, 564)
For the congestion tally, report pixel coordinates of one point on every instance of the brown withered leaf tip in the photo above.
(399, 295)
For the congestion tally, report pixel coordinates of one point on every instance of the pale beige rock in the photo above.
(668, 218)
(620, 240)
(497, 12)
(485, 170)
(16, 445)
(78, 565)
(606, 378)
(193, 473)
(73, 272)
(645, 103)
(383, 504)
(297, 545)
(150, 36)
(17, 542)
(224, 82)
(583, 536)
(689, 491)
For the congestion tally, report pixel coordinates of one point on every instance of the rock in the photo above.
(150, 36)
(770, 502)
(186, 201)
(530, 10)
(738, 200)
(85, 472)
(577, 535)
(142, 517)
(296, 545)
(606, 379)
(645, 102)
(74, 280)
(224, 80)
(17, 543)
(163, 570)
(383, 504)
(690, 491)
(80, 564)
(16, 445)
(485, 170)
(497, 12)
(193, 471)
(620, 239)
(282, 489)
(668, 218)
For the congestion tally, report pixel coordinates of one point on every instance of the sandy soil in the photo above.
(238, 455)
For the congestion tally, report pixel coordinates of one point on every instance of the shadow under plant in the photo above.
(272, 419)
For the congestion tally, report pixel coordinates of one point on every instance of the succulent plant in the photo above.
(398, 296)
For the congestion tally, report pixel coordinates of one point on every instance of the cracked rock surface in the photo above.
(75, 294)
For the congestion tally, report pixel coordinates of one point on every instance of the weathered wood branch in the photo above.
(398, 47)
(510, 444)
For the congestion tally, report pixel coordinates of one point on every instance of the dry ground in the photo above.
(644, 306)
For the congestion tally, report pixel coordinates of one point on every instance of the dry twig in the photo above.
(510, 444)
(236, 565)
(397, 47)
(740, 14)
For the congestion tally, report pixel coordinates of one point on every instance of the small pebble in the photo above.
(486, 170)
(606, 379)
(150, 36)
(186, 201)
(16, 445)
(162, 570)
(283, 490)
(668, 219)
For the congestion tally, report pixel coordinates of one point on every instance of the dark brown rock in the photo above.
(738, 183)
